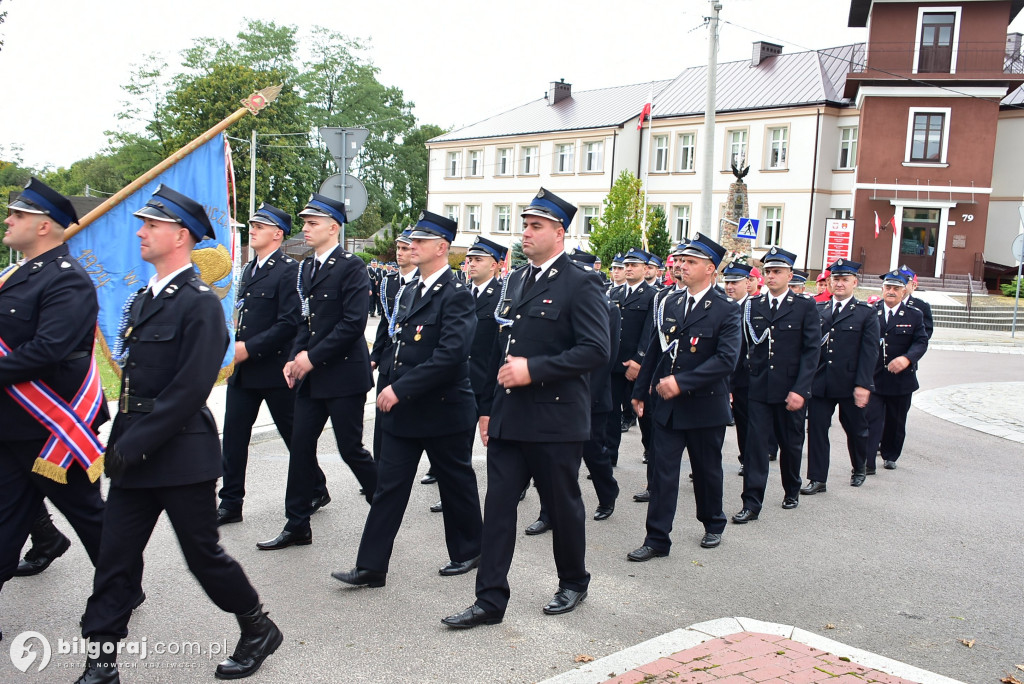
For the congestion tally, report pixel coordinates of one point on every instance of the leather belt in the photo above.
(132, 404)
(74, 356)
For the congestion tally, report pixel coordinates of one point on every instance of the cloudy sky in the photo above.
(64, 61)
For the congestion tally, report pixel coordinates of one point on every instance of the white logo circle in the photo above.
(23, 655)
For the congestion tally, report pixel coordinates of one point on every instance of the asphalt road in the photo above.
(905, 566)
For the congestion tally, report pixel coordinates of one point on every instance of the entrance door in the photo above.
(919, 243)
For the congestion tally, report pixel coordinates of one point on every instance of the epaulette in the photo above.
(287, 259)
(64, 263)
(195, 282)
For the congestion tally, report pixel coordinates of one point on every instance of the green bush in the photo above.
(367, 258)
(1010, 289)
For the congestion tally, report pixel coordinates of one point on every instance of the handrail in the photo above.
(970, 296)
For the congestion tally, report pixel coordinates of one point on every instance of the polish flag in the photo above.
(646, 111)
(878, 225)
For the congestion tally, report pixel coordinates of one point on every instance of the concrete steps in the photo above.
(981, 318)
(954, 284)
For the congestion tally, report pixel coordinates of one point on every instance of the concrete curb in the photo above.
(931, 402)
(681, 639)
(978, 347)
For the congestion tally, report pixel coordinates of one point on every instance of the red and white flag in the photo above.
(646, 111)
(878, 225)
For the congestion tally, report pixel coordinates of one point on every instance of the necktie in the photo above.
(690, 301)
(420, 291)
(255, 267)
(888, 316)
(839, 307)
(531, 278)
(316, 269)
(775, 307)
(476, 291)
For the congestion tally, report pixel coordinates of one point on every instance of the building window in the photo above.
(848, 147)
(589, 214)
(592, 156)
(503, 219)
(660, 159)
(517, 225)
(452, 211)
(504, 165)
(563, 158)
(771, 226)
(473, 218)
(844, 214)
(682, 222)
(453, 164)
(937, 44)
(529, 161)
(687, 150)
(778, 148)
(476, 166)
(736, 149)
(927, 135)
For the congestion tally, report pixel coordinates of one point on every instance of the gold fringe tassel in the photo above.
(95, 470)
(50, 471)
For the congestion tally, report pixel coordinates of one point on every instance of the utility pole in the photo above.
(252, 174)
(709, 123)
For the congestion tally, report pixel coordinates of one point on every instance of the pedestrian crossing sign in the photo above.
(747, 228)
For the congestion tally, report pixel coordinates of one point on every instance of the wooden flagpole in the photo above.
(254, 103)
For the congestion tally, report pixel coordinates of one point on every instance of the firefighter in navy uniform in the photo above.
(429, 406)
(844, 378)
(554, 332)
(48, 311)
(684, 385)
(783, 332)
(330, 366)
(904, 340)
(268, 320)
(924, 307)
(164, 452)
(735, 277)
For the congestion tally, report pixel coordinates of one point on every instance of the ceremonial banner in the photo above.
(109, 248)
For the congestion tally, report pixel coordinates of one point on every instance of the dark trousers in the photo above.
(704, 446)
(346, 414)
(451, 461)
(613, 432)
(22, 500)
(766, 422)
(128, 523)
(741, 418)
(554, 467)
(241, 410)
(596, 457)
(819, 420)
(887, 426)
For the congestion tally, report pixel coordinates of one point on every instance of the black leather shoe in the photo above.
(745, 516)
(889, 465)
(284, 540)
(260, 637)
(359, 577)
(642, 497)
(857, 479)
(646, 458)
(473, 616)
(710, 540)
(869, 471)
(603, 512)
(99, 673)
(740, 471)
(625, 425)
(522, 494)
(459, 568)
(38, 559)
(538, 527)
(565, 601)
(813, 487)
(224, 516)
(790, 502)
(436, 508)
(428, 479)
(645, 553)
(320, 501)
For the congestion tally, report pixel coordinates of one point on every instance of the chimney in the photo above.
(763, 50)
(558, 91)
(1013, 46)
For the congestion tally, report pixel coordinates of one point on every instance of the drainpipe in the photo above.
(814, 178)
(615, 140)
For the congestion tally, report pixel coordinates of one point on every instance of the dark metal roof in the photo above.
(585, 109)
(860, 9)
(783, 81)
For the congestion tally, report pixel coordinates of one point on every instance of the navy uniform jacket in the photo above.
(48, 312)
(176, 344)
(333, 334)
(790, 365)
(849, 351)
(741, 376)
(430, 374)
(600, 378)
(484, 348)
(712, 332)
(381, 353)
(267, 322)
(561, 327)
(926, 310)
(904, 335)
(637, 323)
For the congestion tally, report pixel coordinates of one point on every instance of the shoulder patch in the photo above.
(64, 264)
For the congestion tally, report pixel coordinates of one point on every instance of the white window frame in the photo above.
(921, 11)
(593, 157)
(506, 155)
(692, 147)
(913, 112)
(452, 211)
(528, 162)
(569, 158)
(842, 214)
(679, 232)
(660, 154)
(517, 220)
(479, 161)
(499, 219)
(852, 142)
(729, 148)
(584, 225)
(453, 157)
(762, 233)
(472, 217)
(770, 146)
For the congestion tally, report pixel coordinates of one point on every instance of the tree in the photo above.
(412, 159)
(518, 255)
(13, 177)
(366, 225)
(618, 227)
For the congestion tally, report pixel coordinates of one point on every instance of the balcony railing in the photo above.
(971, 59)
